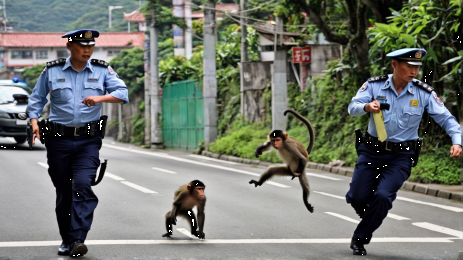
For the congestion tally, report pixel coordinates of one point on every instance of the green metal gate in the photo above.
(182, 115)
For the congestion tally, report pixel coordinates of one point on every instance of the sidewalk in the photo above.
(451, 192)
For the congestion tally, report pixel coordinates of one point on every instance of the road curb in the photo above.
(408, 186)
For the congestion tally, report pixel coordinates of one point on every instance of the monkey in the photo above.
(293, 154)
(185, 198)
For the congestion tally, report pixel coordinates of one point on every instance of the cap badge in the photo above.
(418, 55)
(88, 35)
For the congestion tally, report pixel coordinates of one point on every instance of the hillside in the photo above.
(66, 15)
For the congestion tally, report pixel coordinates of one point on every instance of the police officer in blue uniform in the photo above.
(383, 167)
(77, 87)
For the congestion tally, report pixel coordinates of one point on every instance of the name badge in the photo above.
(414, 103)
(61, 80)
(92, 80)
(381, 97)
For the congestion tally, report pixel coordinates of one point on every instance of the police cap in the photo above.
(411, 55)
(83, 36)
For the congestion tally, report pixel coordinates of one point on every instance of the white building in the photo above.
(26, 49)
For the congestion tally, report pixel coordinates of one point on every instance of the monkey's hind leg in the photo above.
(168, 226)
(272, 170)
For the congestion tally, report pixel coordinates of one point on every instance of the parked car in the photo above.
(13, 104)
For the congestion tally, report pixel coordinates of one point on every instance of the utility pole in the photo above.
(155, 101)
(188, 34)
(244, 54)
(279, 84)
(209, 79)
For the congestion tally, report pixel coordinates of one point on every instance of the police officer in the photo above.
(383, 166)
(77, 87)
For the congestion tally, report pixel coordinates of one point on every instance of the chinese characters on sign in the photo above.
(301, 54)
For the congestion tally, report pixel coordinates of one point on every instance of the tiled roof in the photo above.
(53, 39)
(135, 16)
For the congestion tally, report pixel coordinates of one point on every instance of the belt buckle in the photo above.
(75, 131)
(385, 147)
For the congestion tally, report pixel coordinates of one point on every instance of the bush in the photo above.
(436, 166)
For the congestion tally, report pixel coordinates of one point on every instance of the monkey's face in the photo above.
(199, 192)
(277, 142)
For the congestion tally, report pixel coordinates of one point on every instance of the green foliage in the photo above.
(242, 139)
(130, 67)
(138, 126)
(66, 15)
(436, 166)
(32, 74)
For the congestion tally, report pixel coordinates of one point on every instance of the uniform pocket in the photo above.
(92, 89)
(411, 116)
(61, 92)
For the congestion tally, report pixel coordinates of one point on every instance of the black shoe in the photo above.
(63, 249)
(78, 248)
(358, 248)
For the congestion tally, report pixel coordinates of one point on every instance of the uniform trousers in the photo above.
(378, 175)
(73, 162)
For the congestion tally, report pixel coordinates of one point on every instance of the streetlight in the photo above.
(110, 8)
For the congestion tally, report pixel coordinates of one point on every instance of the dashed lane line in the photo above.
(343, 217)
(163, 170)
(450, 208)
(138, 187)
(211, 159)
(235, 241)
(162, 155)
(323, 176)
(440, 229)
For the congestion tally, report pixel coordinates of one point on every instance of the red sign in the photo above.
(301, 54)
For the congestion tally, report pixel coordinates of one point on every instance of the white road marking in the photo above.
(439, 229)
(163, 170)
(211, 159)
(450, 208)
(166, 156)
(44, 165)
(235, 241)
(343, 217)
(397, 217)
(138, 187)
(323, 176)
(186, 233)
(330, 195)
(114, 177)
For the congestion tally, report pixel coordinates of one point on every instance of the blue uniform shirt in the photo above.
(67, 89)
(403, 118)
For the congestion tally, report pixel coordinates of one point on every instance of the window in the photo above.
(266, 48)
(21, 54)
(62, 54)
(113, 52)
(41, 54)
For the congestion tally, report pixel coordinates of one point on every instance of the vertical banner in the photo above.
(179, 36)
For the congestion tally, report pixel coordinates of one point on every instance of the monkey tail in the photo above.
(305, 191)
(307, 123)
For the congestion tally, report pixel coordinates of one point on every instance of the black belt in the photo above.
(90, 129)
(409, 145)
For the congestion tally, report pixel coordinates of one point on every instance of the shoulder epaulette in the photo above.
(99, 62)
(378, 78)
(55, 62)
(423, 85)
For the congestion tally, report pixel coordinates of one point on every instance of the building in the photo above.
(26, 49)
(136, 17)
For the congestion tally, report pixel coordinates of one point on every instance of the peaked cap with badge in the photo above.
(83, 36)
(411, 55)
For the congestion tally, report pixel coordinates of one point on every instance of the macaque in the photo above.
(185, 198)
(293, 154)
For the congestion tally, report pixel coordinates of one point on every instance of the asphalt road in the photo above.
(242, 222)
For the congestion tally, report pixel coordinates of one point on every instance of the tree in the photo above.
(353, 32)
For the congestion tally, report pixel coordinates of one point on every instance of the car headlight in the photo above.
(4, 115)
